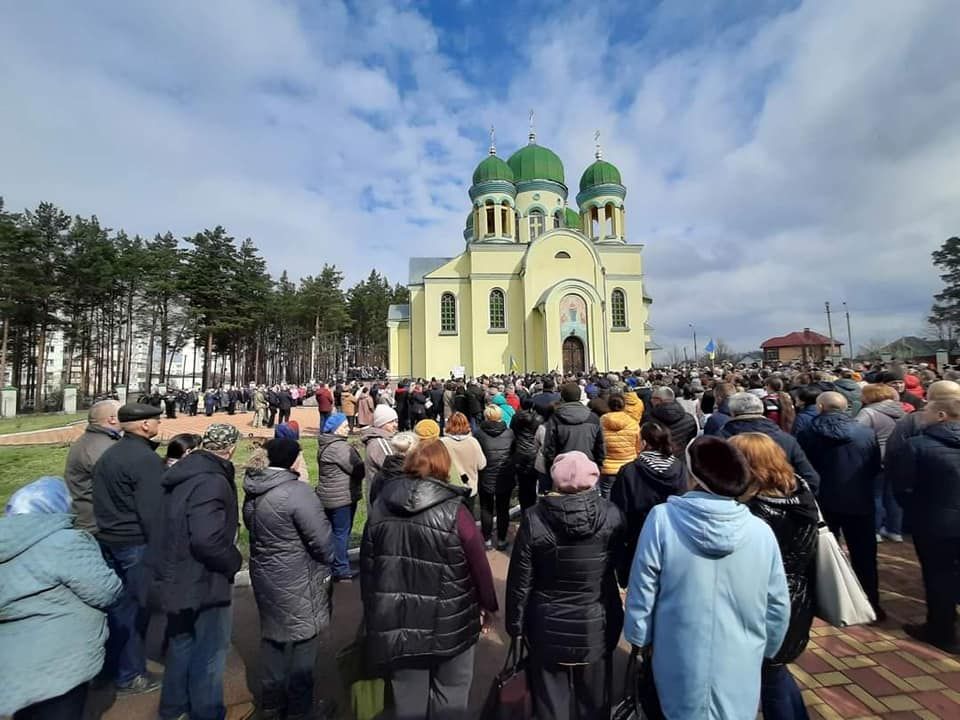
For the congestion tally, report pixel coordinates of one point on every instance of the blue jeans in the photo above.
(126, 658)
(196, 659)
(341, 520)
(889, 514)
(780, 698)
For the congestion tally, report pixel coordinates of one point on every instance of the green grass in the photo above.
(40, 421)
(20, 465)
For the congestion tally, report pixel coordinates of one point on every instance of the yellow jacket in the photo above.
(620, 435)
(633, 405)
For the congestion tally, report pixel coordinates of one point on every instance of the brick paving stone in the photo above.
(866, 698)
(939, 703)
(925, 682)
(894, 662)
(804, 678)
(901, 702)
(831, 678)
(834, 662)
(950, 679)
(923, 665)
(813, 664)
(872, 681)
(842, 702)
(900, 715)
(839, 646)
(859, 661)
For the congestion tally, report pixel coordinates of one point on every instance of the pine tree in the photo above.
(946, 306)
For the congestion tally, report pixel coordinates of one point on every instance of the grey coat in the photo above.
(340, 481)
(291, 550)
(882, 418)
(78, 473)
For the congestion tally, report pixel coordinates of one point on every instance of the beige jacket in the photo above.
(467, 456)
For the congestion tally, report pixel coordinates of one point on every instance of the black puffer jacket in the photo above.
(795, 454)
(925, 470)
(846, 454)
(573, 427)
(391, 470)
(524, 427)
(417, 406)
(291, 551)
(561, 590)
(196, 558)
(794, 523)
(647, 481)
(681, 424)
(496, 441)
(419, 601)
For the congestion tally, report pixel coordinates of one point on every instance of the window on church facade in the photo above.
(491, 213)
(618, 308)
(536, 224)
(594, 223)
(609, 220)
(498, 315)
(504, 225)
(448, 313)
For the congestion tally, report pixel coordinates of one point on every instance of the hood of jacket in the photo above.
(890, 408)
(409, 495)
(257, 482)
(493, 428)
(197, 463)
(21, 532)
(573, 516)
(372, 433)
(947, 433)
(615, 421)
(499, 399)
(669, 412)
(835, 426)
(664, 474)
(460, 438)
(846, 385)
(715, 525)
(573, 413)
(327, 439)
(750, 423)
(800, 505)
(392, 465)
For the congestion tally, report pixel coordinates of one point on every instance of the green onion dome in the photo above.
(492, 168)
(535, 162)
(572, 218)
(600, 173)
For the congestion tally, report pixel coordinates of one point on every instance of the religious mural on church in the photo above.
(573, 315)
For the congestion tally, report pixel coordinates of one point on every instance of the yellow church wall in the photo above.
(546, 200)
(398, 344)
(418, 338)
(444, 351)
(492, 348)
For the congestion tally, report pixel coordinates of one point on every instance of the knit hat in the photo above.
(333, 422)
(718, 466)
(219, 437)
(573, 471)
(427, 429)
(287, 430)
(282, 452)
(384, 415)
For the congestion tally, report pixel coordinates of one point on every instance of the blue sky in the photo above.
(776, 154)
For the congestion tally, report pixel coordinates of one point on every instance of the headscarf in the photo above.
(46, 495)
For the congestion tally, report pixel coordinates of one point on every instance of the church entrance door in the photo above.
(573, 355)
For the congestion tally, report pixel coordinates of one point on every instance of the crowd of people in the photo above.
(676, 508)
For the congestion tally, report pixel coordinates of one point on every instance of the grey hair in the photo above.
(403, 442)
(745, 403)
(663, 393)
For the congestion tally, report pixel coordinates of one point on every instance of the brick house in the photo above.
(806, 346)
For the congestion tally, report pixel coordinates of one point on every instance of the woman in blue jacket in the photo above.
(708, 591)
(54, 589)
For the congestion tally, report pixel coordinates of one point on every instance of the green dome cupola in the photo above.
(572, 218)
(492, 168)
(600, 173)
(535, 162)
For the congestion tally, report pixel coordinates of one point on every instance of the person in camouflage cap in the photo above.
(220, 438)
(195, 560)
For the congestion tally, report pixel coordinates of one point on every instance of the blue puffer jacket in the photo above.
(705, 546)
(54, 588)
(925, 471)
(847, 456)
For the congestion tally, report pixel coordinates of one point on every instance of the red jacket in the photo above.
(324, 400)
(513, 400)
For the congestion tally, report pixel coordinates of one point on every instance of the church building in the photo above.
(539, 287)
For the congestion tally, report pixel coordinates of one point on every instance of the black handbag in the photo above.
(509, 697)
(640, 701)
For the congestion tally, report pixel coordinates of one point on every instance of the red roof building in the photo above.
(806, 346)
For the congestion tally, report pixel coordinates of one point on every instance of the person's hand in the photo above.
(486, 621)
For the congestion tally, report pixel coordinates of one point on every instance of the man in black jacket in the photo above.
(572, 427)
(547, 399)
(195, 560)
(126, 501)
(671, 414)
(925, 470)
(846, 454)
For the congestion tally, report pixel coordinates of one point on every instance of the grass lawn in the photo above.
(20, 465)
(40, 421)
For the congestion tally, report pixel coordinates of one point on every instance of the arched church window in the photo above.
(609, 220)
(595, 222)
(448, 313)
(562, 255)
(491, 215)
(498, 313)
(618, 308)
(504, 225)
(536, 224)
(557, 219)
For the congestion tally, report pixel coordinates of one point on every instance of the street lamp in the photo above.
(695, 353)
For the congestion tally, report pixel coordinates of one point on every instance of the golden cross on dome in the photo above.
(533, 132)
(596, 138)
(493, 140)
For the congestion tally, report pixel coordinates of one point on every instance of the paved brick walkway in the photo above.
(307, 418)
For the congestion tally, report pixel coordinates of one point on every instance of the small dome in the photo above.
(492, 168)
(600, 173)
(573, 218)
(535, 162)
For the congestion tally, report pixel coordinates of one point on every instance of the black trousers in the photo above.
(940, 564)
(527, 487)
(286, 675)
(68, 706)
(271, 418)
(284, 415)
(499, 502)
(570, 692)
(859, 532)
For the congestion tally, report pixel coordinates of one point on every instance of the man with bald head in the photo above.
(102, 431)
(846, 454)
(913, 424)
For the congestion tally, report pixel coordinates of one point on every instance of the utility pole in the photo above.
(695, 353)
(830, 327)
(849, 334)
